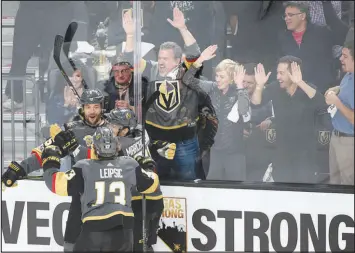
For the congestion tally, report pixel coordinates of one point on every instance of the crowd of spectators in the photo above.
(249, 90)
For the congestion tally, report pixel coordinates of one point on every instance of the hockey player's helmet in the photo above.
(105, 143)
(124, 117)
(93, 96)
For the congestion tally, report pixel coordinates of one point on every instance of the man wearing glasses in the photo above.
(311, 43)
(119, 87)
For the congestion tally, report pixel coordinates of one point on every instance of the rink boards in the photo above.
(198, 219)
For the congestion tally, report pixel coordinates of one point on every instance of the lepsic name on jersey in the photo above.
(111, 172)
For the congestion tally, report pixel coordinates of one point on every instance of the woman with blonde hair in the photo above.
(231, 104)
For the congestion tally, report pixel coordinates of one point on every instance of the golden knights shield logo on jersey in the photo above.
(270, 135)
(89, 140)
(172, 232)
(169, 98)
(324, 137)
(128, 115)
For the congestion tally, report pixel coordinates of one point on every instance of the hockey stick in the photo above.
(145, 108)
(68, 38)
(58, 43)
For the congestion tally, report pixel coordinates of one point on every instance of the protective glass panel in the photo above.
(248, 114)
(256, 111)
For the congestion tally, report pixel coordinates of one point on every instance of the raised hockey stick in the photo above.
(58, 44)
(145, 108)
(68, 38)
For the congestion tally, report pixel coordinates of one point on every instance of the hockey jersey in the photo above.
(132, 146)
(105, 189)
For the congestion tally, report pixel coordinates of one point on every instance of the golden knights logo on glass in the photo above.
(324, 137)
(169, 98)
(270, 135)
(172, 231)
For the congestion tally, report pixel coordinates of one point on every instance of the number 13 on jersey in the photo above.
(117, 188)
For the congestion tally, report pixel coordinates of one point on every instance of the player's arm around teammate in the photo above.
(106, 213)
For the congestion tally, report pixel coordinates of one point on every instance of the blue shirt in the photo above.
(346, 96)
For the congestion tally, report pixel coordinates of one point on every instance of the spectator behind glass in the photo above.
(258, 132)
(341, 101)
(316, 11)
(312, 44)
(173, 122)
(64, 103)
(170, 53)
(37, 23)
(116, 34)
(254, 27)
(120, 86)
(295, 104)
(231, 103)
(199, 15)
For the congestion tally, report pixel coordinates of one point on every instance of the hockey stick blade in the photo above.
(58, 43)
(68, 38)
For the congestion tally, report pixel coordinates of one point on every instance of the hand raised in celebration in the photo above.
(296, 74)
(239, 74)
(178, 19)
(208, 53)
(127, 22)
(260, 77)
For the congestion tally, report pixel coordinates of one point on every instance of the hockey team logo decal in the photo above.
(89, 140)
(271, 135)
(324, 137)
(169, 98)
(173, 225)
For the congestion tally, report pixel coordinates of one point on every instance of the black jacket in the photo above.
(111, 90)
(315, 52)
(319, 65)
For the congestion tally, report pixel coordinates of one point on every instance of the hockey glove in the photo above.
(165, 149)
(66, 141)
(13, 173)
(146, 163)
(51, 157)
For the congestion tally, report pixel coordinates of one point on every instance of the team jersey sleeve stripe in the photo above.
(189, 61)
(147, 197)
(53, 182)
(154, 186)
(38, 155)
(60, 184)
(93, 156)
(107, 216)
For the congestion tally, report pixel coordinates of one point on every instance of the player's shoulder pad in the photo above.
(128, 161)
(82, 163)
